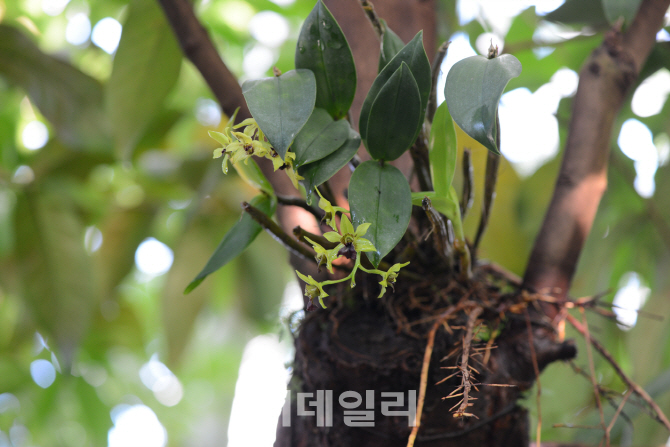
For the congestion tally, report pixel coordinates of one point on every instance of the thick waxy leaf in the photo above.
(281, 105)
(319, 171)
(473, 90)
(71, 100)
(380, 195)
(235, 241)
(394, 116)
(614, 9)
(391, 44)
(443, 150)
(146, 67)
(414, 55)
(323, 49)
(252, 174)
(319, 137)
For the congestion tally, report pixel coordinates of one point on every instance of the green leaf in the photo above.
(394, 116)
(146, 67)
(414, 55)
(473, 90)
(380, 195)
(614, 9)
(319, 137)
(281, 105)
(319, 171)
(252, 174)
(71, 100)
(588, 12)
(443, 150)
(391, 44)
(323, 49)
(235, 241)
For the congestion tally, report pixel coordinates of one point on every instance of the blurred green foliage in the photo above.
(127, 159)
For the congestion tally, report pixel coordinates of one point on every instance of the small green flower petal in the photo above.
(218, 152)
(345, 226)
(219, 137)
(362, 229)
(362, 245)
(332, 236)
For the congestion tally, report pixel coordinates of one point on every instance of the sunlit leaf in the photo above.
(146, 67)
(235, 241)
(443, 150)
(394, 116)
(323, 49)
(281, 105)
(319, 137)
(71, 100)
(380, 195)
(473, 90)
(319, 171)
(252, 174)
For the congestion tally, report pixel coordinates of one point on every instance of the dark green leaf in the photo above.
(379, 194)
(235, 241)
(414, 55)
(443, 150)
(394, 116)
(588, 12)
(319, 171)
(281, 105)
(614, 9)
(323, 49)
(391, 44)
(146, 67)
(473, 90)
(71, 100)
(319, 137)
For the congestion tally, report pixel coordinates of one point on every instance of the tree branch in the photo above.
(604, 81)
(199, 49)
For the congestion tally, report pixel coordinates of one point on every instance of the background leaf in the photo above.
(414, 55)
(473, 90)
(235, 241)
(281, 105)
(614, 9)
(381, 196)
(319, 137)
(394, 116)
(146, 68)
(443, 150)
(71, 100)
(323, 49)
(319, 171)
(252, 174)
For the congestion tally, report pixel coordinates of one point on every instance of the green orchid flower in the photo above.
(329, 210)
(389, 277)
(324, 256)
(349, 241)
(313, 289)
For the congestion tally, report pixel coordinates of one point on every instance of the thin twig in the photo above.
(300, 234)
(468, 196)
(372, 16)
(277, 233)
(436, 70)
(592, 375)
(536, 369)
(492, 164)
(618, 411)
(299, 202)
(637, 389)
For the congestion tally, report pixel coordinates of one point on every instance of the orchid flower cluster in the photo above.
(239, 146)
(350, 244)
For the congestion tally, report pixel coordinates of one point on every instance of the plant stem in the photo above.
(492, 165)
(373, 18)
(299, 202)
(468, 196)
(437, 64)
